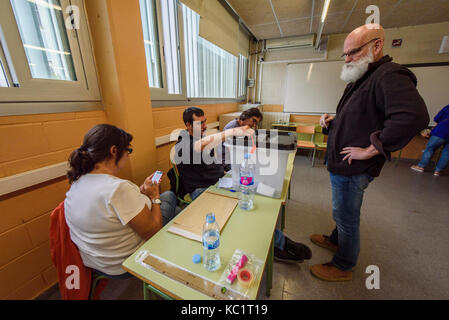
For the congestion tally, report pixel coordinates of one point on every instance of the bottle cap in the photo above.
(247, 156)
(210, 218)
(196, 258)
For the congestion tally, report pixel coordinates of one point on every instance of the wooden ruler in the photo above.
(192, 280)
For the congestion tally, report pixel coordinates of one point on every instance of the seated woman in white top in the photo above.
(108, 217)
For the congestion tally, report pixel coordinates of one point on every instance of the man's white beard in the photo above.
(354, 70)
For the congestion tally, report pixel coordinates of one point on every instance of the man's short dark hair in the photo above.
(253, 112)
(187, 116)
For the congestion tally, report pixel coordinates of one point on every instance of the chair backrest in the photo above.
(319, 137)
(176, 172)
(305, 133)
(305, 129)
(64, 253)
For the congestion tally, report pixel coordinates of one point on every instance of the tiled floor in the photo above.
(404, 231)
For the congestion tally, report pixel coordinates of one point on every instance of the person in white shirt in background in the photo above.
(110, 218)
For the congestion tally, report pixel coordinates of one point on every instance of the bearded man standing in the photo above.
(380, 112)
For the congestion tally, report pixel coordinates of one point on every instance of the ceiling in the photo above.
(282, 18)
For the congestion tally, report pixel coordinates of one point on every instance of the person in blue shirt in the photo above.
(439, 136)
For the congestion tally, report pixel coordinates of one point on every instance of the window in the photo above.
(164, 75)
(3, 79)
(44, 39)
(46, 58)
(211, 72)
(151, 42)
(243, 70)
(7, 72)
(191, 30)
(169, 9)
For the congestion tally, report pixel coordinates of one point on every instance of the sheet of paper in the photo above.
(225, 183)
(189, 223)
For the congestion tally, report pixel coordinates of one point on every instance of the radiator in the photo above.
(270, 117)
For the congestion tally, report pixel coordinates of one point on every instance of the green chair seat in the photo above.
(188, 198)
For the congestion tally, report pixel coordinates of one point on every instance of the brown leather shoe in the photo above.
(323, 241)
(329, 272)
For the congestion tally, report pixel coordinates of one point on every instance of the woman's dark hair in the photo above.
(187, 116)
(253, 112)
(96, 147)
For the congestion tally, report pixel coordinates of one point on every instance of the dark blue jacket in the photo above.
(442, 128)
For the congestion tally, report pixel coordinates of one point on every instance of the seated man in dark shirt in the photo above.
(199, 170)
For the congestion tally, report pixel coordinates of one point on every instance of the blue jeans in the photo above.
(433, 144)
(196, 193)
(347, 197)
(169, 210)
(279, 238)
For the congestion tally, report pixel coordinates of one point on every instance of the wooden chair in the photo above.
(187, 198)
(320, 145)
(306, 137)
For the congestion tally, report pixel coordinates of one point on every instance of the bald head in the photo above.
(361, 36)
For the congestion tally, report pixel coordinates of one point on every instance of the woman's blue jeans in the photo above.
(347, 197)
(433, 144)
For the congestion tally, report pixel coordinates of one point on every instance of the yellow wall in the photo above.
(33, 141)
(273, 108)
(27, 143)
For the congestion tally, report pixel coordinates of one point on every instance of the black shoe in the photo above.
(285, 256)
(297, 249)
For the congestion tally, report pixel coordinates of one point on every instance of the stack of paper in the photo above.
(189, 223)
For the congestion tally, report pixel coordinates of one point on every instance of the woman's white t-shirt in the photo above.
(97, 209)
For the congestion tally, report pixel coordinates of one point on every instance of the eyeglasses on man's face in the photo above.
(130, 150)
(357, 50)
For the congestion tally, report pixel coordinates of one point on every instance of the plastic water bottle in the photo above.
(247, 171)
(211, 243)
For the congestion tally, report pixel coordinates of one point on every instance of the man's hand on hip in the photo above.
(356, 153)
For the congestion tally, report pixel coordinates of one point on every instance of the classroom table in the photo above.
(251, 231)
(286, 187)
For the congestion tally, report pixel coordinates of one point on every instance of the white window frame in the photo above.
(47, 95)
(243, 75)
(162, 93)
(207, 61)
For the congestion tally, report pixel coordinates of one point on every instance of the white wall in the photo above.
(273, 79)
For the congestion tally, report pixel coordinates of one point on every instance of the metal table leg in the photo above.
(150, 292)
(269, 284)
(282, 217)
